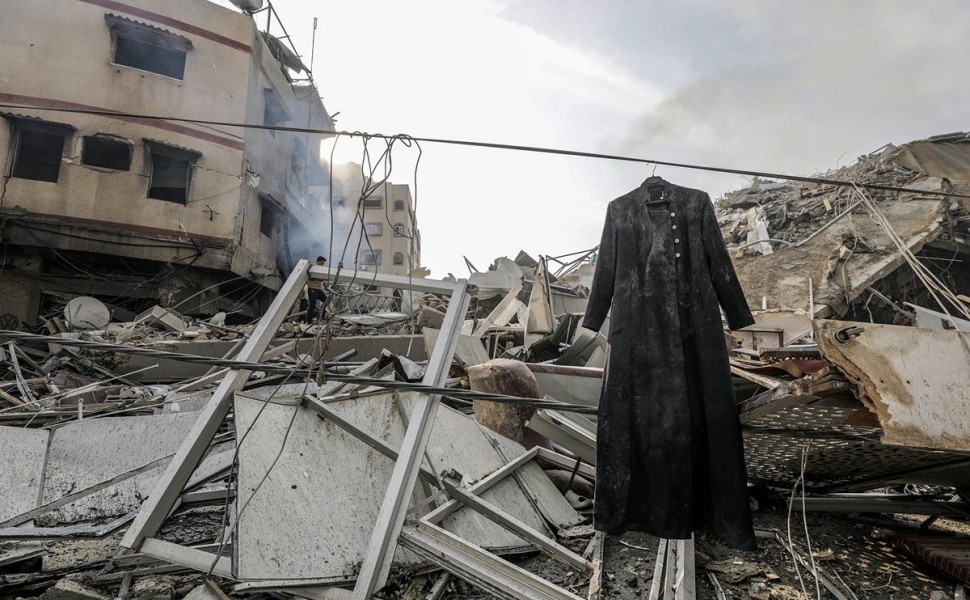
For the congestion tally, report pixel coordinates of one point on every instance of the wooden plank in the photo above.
(596, 577)
(656, 583)
(156, 509)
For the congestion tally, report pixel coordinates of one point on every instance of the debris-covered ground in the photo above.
(275, 440)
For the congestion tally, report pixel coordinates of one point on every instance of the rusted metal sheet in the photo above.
(913, 379)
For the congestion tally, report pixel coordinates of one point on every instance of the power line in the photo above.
(500, 146)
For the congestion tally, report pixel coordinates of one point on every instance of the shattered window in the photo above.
(274, 113)
(373, 228)
(142, 46)
(38, 146)
(399, 230)
(398, 258)
(371, 258)
(171, 172)
(374, 202)
(267, 220)
(399, 205)
(107, 153)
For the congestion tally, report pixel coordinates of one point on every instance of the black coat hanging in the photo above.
(669, 455)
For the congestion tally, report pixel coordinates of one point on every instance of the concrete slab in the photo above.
(331, 484)
(22, 453)
(87, 452)
(310, 517)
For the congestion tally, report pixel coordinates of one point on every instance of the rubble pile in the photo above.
(439, 441)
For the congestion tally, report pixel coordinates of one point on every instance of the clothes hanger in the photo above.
(653, 180)
(653, 184)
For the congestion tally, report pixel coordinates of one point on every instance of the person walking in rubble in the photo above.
(316, 291)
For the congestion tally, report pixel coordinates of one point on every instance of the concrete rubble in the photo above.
(440, 442)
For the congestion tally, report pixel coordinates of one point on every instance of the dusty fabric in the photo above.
(669, 453)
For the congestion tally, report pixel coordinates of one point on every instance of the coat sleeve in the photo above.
(726, 285)
(601, 294)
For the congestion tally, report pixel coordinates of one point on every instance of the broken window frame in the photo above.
(373, 202)
(26, 128)
(374, 229)
(159, 150)
(274, 110)
(398, 259)
(171, 50)
(267, 220)
(107, 140)
(370, 257)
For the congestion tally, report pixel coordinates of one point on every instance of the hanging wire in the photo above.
(497, 146)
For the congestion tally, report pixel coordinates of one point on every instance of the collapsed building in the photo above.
(101, 197)
(431, 450)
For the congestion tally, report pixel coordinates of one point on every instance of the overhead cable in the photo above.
(500, 146)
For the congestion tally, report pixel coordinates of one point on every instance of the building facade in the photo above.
(123, 177)
(375, 231)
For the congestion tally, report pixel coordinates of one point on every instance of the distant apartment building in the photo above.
(378, 232)
(101, 197)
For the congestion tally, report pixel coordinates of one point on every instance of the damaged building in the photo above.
(447, 448)
(103, 198)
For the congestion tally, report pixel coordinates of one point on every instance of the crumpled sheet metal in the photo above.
(913, 379)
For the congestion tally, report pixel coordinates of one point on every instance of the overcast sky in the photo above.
(772, 85)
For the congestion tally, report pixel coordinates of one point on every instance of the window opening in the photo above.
(399, 230)
(142, 46)
(373, 228)
(374, 202)
(107, 153)
(399, 205)
(171, 172)
(371, 258)
(37, 148)
(398, 258)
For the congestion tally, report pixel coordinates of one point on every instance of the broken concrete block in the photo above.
(430, 317)
(65, 589)
(504, 376)
(202, 592)
(163, 318)
(154, 587)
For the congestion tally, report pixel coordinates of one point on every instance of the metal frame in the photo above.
(474, 564)
(376, 565)
(673, 571)
(166, 492)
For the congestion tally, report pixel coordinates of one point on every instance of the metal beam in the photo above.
(439, 514)
(500, 517)
(192, 558)
(380, 552)
(481, 568)
(401, 282)
(166, 492)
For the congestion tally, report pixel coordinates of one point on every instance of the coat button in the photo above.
(677, 255)
(676, 240)
(673, 226)
(673, 214)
